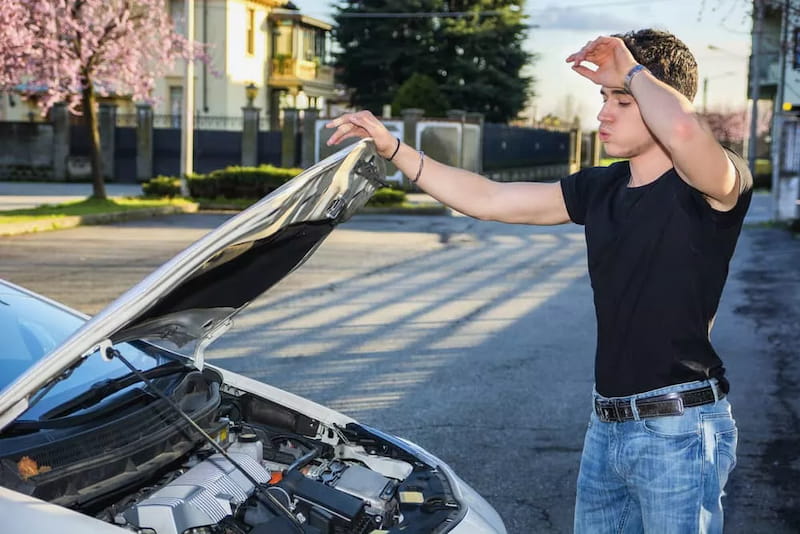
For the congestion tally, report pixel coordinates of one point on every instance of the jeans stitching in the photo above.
(719, 439)
(623, 516)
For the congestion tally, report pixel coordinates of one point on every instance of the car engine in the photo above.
(226, 462)
(329, 494)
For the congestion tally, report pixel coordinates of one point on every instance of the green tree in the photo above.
(379, 54)
(483, 57)
(420, 91)
(475, 60)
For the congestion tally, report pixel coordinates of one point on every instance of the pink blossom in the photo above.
(53, 49)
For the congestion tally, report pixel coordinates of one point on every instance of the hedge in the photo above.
(246, 183)
(387, 197)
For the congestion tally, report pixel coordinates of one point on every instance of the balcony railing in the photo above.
(292, 69)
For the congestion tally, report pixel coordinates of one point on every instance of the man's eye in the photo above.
(624, 104)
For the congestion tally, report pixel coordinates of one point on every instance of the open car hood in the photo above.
(189, 301)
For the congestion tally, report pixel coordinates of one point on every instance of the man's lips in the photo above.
(603, 135)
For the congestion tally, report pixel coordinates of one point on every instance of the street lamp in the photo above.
(187, 120)
(251, 92)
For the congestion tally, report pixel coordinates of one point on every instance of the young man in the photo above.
(660, 231)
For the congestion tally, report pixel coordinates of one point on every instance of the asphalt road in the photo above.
(473, 339)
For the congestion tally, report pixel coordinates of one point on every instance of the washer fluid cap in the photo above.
(248, 437)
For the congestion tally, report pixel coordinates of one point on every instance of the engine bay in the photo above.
(256, 467)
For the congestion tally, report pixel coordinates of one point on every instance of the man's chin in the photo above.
(616, 152)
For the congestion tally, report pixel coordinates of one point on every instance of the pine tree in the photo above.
(379, 54)
(475, 60)
(484, 57)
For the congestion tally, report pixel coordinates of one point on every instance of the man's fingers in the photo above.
(585, 72)
(345, 131)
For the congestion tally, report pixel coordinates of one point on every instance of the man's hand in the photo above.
(363, 124)
(612, 57)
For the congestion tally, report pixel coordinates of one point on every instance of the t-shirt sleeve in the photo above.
(575, 189)
(737, 213)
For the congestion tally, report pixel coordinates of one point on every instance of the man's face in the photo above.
(622, 129)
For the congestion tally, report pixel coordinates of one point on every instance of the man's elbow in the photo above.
(686, 131)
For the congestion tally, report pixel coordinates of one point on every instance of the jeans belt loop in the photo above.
(635, 410)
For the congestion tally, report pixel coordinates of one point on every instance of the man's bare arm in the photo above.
(698, 157)
(464, 191)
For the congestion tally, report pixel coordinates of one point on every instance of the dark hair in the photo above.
(666, 56)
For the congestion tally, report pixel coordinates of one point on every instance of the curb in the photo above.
(71, 221)
(413, 209)
(433, 209)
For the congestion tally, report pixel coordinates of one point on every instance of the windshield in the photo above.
(30, 328)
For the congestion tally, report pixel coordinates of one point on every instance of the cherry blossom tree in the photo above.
(16, 40)
(71, 51)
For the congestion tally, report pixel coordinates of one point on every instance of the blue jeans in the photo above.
(661, 475)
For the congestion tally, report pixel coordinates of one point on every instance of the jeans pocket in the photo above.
(725, 442)
(673, 426)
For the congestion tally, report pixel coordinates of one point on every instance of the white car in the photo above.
(115, 424)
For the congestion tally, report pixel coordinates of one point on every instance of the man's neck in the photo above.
(649, 166)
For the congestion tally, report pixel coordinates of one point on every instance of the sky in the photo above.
(717, 32)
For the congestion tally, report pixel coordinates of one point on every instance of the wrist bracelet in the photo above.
(419, 171)
(626, 84)
(396, 148)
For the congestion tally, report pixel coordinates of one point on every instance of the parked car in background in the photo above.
(115, 423)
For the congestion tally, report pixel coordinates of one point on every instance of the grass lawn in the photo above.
(87, 206)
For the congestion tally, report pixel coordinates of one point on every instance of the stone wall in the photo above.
(27, 150)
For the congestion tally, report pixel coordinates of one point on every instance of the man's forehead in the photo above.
(608, 91)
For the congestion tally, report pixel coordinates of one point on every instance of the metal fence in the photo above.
(201, 122)
(513, 147)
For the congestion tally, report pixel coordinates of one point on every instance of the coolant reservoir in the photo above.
(249, 444)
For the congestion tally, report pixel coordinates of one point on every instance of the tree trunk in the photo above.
(90, 119)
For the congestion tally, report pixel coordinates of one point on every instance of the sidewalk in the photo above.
(21, 195)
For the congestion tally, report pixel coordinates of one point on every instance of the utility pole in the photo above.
(755, 82)
(187, 121)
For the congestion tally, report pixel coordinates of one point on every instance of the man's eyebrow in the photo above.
(614, 92)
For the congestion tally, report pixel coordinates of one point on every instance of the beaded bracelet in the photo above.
(390, 158)
(419, 171)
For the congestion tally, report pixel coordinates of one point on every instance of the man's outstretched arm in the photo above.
(464, 191)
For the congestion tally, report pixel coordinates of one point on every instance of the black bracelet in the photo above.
(419, 171)
(390, 158)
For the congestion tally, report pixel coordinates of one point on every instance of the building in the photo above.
(775, 77)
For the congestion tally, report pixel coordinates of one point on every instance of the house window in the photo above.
(251, 31)
(175, 105)
(178, 15)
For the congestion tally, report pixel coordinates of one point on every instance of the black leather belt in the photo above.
(619, 410)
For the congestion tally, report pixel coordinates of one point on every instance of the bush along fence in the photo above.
(245, 184)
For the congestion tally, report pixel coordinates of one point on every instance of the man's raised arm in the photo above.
(697, 156)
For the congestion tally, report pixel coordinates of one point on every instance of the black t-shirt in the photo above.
(658, 258)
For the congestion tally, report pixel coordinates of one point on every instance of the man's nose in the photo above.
(604, 115)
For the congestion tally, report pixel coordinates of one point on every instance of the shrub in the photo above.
(420, 91)
(162, 186)
(240, 182)
(228, 183)
(387, 197)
